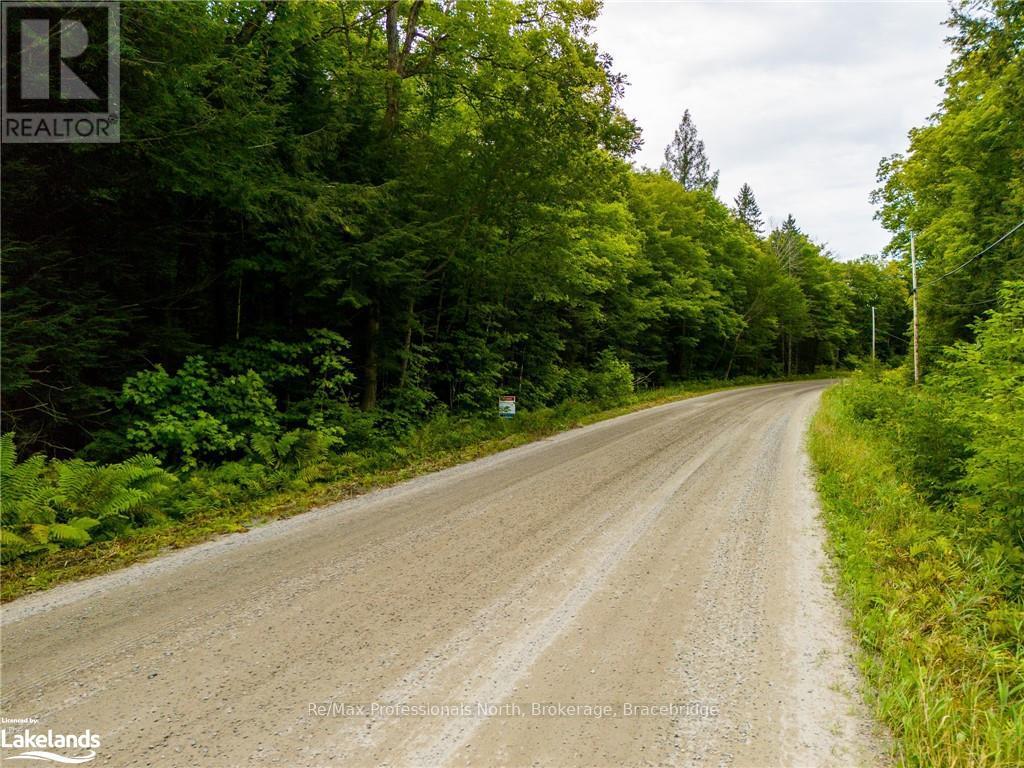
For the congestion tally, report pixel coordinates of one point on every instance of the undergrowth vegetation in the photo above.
(923, 491)
(66, 519)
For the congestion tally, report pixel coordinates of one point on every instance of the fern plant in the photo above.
(47, 505)
(298, 455)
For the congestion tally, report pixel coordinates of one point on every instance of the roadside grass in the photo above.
(932, 599)
(437, 444)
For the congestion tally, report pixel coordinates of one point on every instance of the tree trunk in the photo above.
(238, 310)
(393, 79)
(370, 366)
(732, 355)
(407, 345)
(681, 354)
(398, 54)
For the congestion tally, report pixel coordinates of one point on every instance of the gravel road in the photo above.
(649, 590)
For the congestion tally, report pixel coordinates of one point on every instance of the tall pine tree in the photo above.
(685, 158)
(747, 210)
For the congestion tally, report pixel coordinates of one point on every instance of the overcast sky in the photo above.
(799, 99)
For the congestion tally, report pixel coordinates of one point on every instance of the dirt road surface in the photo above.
(649, 590)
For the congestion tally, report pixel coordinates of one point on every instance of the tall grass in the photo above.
(935, 597)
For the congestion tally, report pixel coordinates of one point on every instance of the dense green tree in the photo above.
(821, 330)
(960, 186)
(874, 282)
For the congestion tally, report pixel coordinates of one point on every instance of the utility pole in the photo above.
(872, 333)
(913, 283)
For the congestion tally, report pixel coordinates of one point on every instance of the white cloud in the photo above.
(799, 99)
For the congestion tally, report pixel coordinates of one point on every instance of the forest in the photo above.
(328, 223)
(320, 208)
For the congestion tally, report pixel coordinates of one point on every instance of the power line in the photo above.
(904, 339)
(978, 255)
(962, 305)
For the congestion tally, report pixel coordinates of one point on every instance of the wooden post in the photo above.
(872, 334)
(913, 283)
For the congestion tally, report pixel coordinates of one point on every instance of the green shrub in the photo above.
(982, 384)
(609, 383)
(197, 413)
(297, 370)
(404, 409)
(928, 443)
(211, 411)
